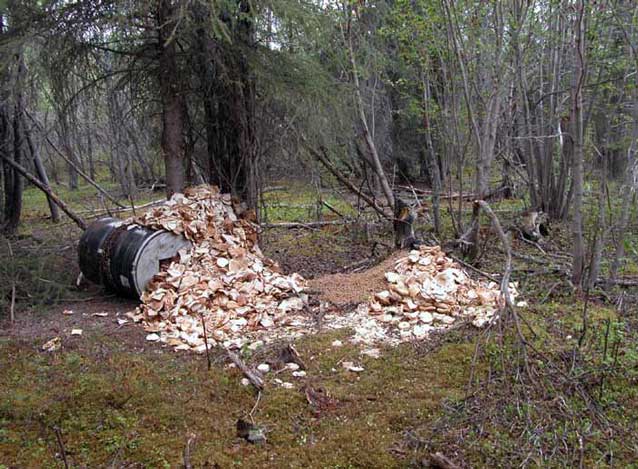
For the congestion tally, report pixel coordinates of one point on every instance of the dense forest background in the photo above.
(529, 99)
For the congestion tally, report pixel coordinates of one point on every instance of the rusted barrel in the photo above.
(124, 258)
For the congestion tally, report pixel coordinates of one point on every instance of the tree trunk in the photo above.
(601, 228)
(173, 144)
(89, 141)
(374, 155)
(435, 172)
(14, 199)
(41, 172)
(65, 139)
(578, 248)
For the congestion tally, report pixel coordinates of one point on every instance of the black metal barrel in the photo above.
(124, 258)
(91, 247)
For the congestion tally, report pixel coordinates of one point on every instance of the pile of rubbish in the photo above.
(426, 291)
(224, 291)
(223, 288)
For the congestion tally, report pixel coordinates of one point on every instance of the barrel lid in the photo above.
(159, 246)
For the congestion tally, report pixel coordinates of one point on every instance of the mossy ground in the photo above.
(120, 402)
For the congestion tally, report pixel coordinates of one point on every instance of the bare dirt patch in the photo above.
(351, 288)
(97, 318)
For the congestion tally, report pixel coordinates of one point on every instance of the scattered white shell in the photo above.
(392, 277)
(76, 331)
(372, 352)
(264, 367)
(299, 374)
(292, 366)
(152, 337)
(337, 343)
(350, 366)
(255, 345)
(52, 345)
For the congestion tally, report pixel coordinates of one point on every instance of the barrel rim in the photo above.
(138, 254)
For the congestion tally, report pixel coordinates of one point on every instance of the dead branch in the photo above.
(36, 182)
(474, 269)
(252, 411)
(58, 437)
(440, 461)
(253, 376)
(13, 286)
(332, 209)
(187, 452)
(201, 316)
(110, 212)
(309, 225)
(508, 251)
(617, 282)
(323, 159)
(506, 279)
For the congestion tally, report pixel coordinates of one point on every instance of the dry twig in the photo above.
(253, 376)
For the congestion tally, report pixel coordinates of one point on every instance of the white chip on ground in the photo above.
(121, 322)
(287, 385)
(100, 315)
(372, 352)
(245, 381)
(67, 312)
(337, 343)
(152, 337)
(76, 331)
(350, 366)
(292, 366)
(299, 374)
(255, 345)
(264, 367)
(52, 345)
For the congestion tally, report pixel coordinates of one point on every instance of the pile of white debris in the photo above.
(426, 291)
(224, 291)
(223, 284)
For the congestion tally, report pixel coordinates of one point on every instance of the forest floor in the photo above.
(551, 395)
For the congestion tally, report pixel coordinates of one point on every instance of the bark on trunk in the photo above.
(173, 144)
(435, 172)
(14, 199)
(577, 132)
(41, 173)
(374, 155)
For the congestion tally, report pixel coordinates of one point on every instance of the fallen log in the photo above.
(312, 224)
(50, 194)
